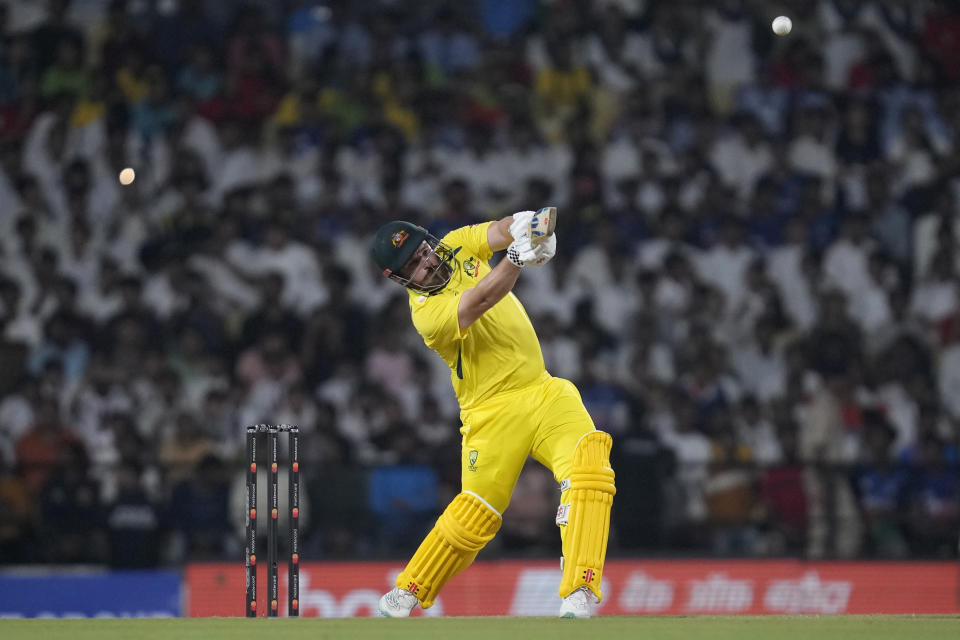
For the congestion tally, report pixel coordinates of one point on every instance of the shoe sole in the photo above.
(384, 614)
(575, 616)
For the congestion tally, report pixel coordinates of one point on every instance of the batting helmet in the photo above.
(394, 245)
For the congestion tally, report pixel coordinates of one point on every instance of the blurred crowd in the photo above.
(756, 288)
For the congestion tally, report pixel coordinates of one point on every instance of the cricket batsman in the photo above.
(510, 406)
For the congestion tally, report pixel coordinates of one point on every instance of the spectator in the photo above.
(134, 524)
(43, 446)
(71, 515)
(610, 50)
(784, 498)
(940, 27)
(152, 115)
(12, 349)
(730, 490)
(754, 431)
(199, 511)
(66, 75)
(857, 142)
(63, 344)
(724, 265)
(881, 489)
(729, 52)
(691, 449)
(561, 89)
(172, 32)
(529, 527)
(16, 526)
(447, 48)
(640, 517)
(827, 442)
(766, 101)
(199, 78)
(184, 448)
(935, 293)
(53, 30)
(116, 37)
(742, 155)
(934, 500)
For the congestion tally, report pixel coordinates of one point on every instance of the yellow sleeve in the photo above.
(471, 240)
(435, 318)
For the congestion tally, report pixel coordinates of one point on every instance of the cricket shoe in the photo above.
(396, 603)
(578, 604)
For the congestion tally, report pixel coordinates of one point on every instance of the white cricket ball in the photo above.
(127, 176)
(782, 25)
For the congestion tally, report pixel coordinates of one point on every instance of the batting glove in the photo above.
(522, 252)
(520, 227)
(544, 251)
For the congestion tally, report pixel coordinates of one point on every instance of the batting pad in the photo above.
(584, 519)
(465, 526)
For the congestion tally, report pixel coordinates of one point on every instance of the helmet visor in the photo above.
(430, 268)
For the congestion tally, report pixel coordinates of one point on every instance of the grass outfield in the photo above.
(605, 628)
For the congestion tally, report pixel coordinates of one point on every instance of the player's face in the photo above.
(423, 268)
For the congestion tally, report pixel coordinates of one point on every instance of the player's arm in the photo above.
(498, 234)
(489, 291)
(520, 251)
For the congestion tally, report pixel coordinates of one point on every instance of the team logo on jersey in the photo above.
(472, 457)
(472, 266)
(399, 238)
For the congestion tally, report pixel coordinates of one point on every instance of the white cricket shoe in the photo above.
(578, 604)
(396, 603)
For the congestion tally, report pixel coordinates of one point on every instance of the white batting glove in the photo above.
(520, 227)
(544, 251)
(522, 252)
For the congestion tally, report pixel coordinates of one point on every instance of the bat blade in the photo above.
(543, 224)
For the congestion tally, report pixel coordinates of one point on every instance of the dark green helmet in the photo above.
(394, 245)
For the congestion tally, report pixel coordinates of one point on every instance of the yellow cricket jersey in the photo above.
(500, 351)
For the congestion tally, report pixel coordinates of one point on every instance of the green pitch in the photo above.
(639, 628)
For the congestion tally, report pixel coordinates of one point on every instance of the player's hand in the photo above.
(522, 252)
(544, 251)
(520, 227)
(519, 251)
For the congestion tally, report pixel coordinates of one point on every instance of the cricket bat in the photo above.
(542, 225)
